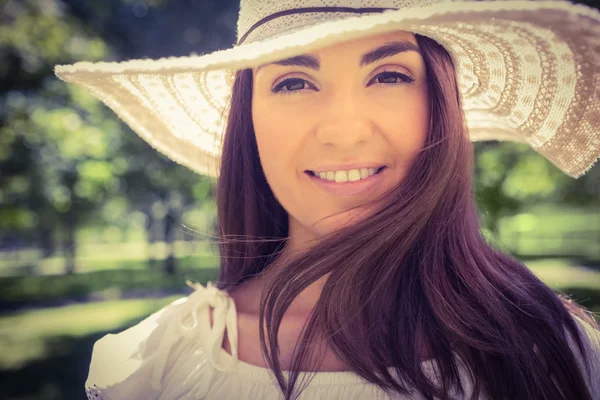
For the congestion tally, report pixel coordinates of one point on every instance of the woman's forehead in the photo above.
(370, 49)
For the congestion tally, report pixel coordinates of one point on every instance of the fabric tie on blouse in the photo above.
(224, 316)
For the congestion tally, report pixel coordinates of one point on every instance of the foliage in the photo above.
(57, 143)
(66, 159)
(511, 177)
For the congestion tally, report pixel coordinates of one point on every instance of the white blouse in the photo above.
(174, 354)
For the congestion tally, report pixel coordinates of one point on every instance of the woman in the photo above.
(351, 252)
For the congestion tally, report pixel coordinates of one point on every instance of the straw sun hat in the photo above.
(527, 71)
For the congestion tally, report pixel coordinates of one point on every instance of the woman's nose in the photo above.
(344, 123)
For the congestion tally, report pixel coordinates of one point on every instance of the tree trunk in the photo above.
(170, 222)
(70, 224)
(46, 237)
(150, 240)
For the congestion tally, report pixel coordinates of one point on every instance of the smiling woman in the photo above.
(346, 117)
(350, 246)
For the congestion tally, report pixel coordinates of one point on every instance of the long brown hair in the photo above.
(416, 271)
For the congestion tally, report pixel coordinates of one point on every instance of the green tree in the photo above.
(56, 140)
(510, 177)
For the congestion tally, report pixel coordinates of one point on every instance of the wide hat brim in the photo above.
(527, 71)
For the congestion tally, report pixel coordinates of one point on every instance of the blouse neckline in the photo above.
(189, 320)
(226, 308)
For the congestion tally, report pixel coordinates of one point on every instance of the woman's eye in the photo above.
(291, 85)
(388, 78)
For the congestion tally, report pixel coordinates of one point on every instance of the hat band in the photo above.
(309, 10)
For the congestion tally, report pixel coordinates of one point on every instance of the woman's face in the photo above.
(338, 112)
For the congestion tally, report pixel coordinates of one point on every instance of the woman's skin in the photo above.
(342, 113)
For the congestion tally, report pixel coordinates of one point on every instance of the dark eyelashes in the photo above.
(287, 83)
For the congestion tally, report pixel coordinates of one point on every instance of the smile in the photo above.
(350, 188)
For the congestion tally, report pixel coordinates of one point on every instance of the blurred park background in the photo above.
(97, 230)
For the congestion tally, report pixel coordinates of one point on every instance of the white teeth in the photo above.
(341, 176)
(353, 175)
(346, 176)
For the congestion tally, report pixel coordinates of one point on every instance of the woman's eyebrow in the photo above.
(387, 50)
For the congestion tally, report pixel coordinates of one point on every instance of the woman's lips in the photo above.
(355, 188)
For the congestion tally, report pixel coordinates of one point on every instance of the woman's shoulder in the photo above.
(155, 356)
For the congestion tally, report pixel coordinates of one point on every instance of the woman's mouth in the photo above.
(347, 184)
(347, 176)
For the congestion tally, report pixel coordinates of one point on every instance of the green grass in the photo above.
(96, 256)
(562, 273)
(105, 282)
(27, 336)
